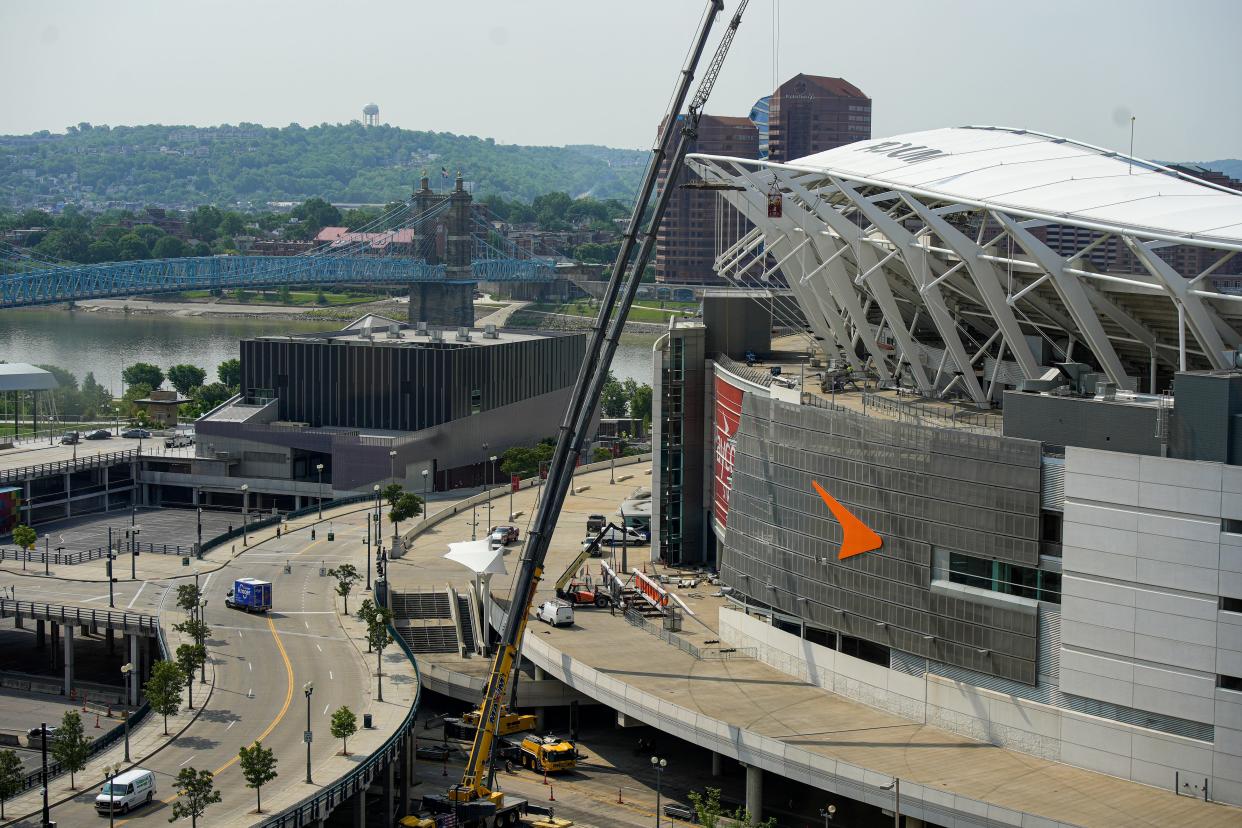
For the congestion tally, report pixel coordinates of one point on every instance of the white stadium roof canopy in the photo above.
(1042, 176)
(941, 256)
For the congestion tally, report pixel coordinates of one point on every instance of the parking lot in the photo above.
(171, 527)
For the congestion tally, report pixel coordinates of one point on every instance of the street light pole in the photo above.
(392, 466)
(202, 641)
(111, 602)
(659, 765)
(127, 670)
(491, 483)
(895, 787)
(425, 476)
(245, 490)
(47, 813)
(308, 689)
(319, 468)
(375, 488)
(200, 528)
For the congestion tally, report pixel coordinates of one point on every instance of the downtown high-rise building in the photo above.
(804, 115)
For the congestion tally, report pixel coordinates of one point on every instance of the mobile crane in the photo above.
(577, 593)
(474, 800)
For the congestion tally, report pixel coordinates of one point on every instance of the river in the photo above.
(106, 342)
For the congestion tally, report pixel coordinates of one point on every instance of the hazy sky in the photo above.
(600, 71)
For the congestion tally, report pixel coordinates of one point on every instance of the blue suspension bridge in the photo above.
(401, 247)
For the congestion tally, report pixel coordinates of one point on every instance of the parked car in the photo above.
(100, 434)
(556, 613)
(630, 536)
(136, 434)
(33, 733)
(178, 441)
(69, 439)
(596, 522)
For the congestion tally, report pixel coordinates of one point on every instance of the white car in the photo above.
(556, 613)
(126, 791)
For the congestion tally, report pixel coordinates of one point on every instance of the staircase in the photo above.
(467, 624)
(439, 639)
(420, 605)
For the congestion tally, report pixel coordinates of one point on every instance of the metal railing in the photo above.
(76, 556)
(70, 466)
(698, 653)
(319, 805)
(65, 614)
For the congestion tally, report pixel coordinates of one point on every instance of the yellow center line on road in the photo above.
(279, 716)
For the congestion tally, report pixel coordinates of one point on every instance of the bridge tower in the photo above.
(448, 303)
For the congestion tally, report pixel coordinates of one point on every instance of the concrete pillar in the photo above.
(541, 719)
(110, 637)
(18, 622)
(86, 631)
(55, 648)
(540, 675)
(388, 793)
(754, 792)
(68, 658)
(133, 659)
(40, 634)
(716, 764)
(407, 768)
(68, 495)
(912, 822)
(360, 808)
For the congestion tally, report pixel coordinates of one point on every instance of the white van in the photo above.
(556, 613)
(630, 536)
(126, 791)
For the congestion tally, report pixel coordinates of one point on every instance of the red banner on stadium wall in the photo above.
(515, 482)
(728, 416)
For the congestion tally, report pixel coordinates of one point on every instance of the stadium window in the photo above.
(1229, 683)
(1231, 525)
(867, 651)
(476, 401)
(1231, 604)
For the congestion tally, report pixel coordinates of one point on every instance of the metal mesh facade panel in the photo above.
(917, 487)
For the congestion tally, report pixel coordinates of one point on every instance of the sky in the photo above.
(588, 71)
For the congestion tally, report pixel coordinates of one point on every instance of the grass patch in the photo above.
(637, 313)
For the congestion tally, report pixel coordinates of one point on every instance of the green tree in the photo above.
(169, 247)
(599, 454)
(316, 214)
(25, 537)
(640, 402)
(286, 297)
(231, 224)
(102, 250)
(96, 400)
(12, 775)
(201, 248)
(189, 658)
(70, 746)
(407, 506)
(230, 372)
(612, 401)
(392, 493)
(708, 812)
(258, 766)
(210, 395)
(143, 373)
(344, 725)
(196, 789)
(204, 221)
(320, 299)
(163, 689)
(346, 576)
(131, 247)
(188, 598)
(185, 377)
(378, 637)
(149, 234)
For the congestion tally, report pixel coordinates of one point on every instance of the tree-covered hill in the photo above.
(250, 165)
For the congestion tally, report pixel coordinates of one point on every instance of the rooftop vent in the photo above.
(422, 329)
(394, 332)
(490, 332)
(463, 334)
(437, 335)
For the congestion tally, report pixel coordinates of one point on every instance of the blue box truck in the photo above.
(250, 594)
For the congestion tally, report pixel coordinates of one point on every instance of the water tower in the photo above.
(370, 111)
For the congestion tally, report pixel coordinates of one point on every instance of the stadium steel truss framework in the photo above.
(921, 257)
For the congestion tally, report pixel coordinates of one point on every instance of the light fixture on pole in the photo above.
(319, 469)
(491, 482)
(828, 813)
(127, 670)
(426, 476)
(202, 641)
(392, 466)
(659, 765)
(308, 689)
(895, 787)
(245, 490)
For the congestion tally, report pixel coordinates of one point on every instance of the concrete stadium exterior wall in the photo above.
(1146, 564)
(1049, 732)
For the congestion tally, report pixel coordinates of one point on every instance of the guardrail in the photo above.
(70, 466)
(65, 614)
(77, 556)
(699, 653)
(319, 805)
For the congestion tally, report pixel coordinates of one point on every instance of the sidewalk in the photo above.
(145, 740)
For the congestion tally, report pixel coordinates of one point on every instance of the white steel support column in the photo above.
(1073, 298)
(1197, 314)
(987, 281)
(934, 303)
(869, 257)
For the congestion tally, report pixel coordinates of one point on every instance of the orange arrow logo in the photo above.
(856, 536)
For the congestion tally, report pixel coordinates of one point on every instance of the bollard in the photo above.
(551, 794)
(619, 800)
(96, 719)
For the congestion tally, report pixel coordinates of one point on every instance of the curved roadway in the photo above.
(261, 663)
